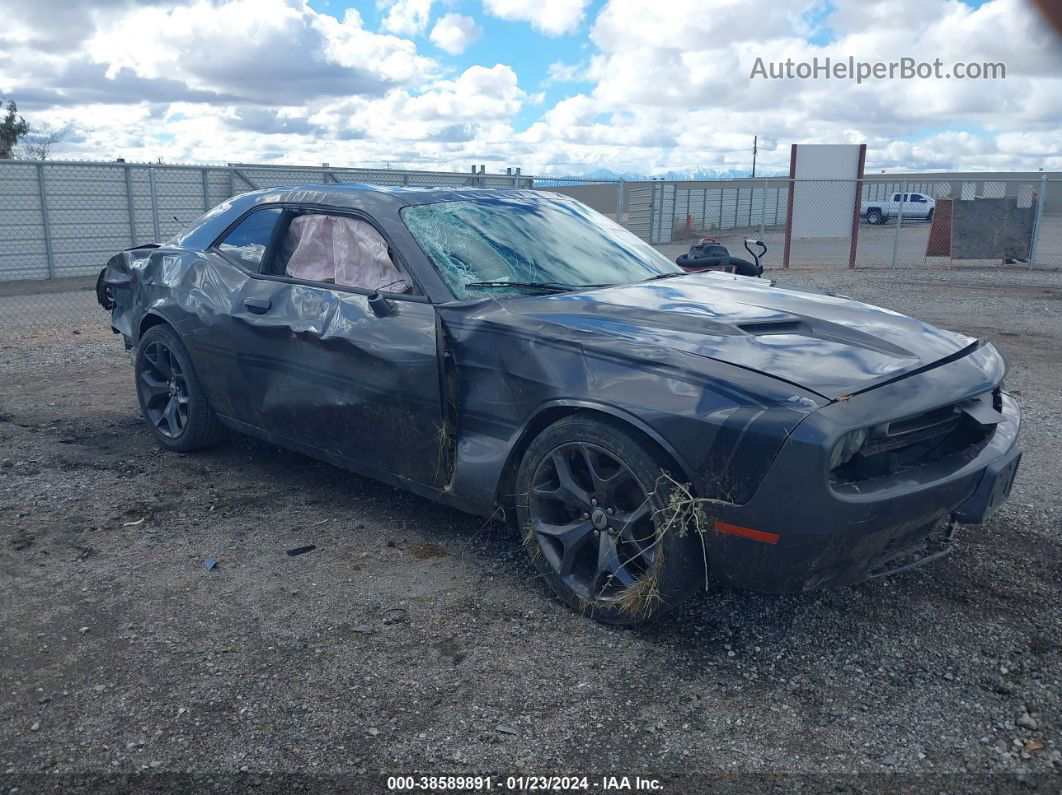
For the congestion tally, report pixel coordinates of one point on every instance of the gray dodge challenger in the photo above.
(515, 354)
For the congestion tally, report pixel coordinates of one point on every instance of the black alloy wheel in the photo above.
(592, 507)
(592, 519)
(171, 397)
(165, 389)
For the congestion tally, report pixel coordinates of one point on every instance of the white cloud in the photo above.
(454, 33)
(552, 17)
(405, 17)
(58, 25)
(479, 93)
(661, 86)
(560, 72)
(261, 50)
(683, 68)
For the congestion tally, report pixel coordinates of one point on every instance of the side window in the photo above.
(247, 243)
(340, 250)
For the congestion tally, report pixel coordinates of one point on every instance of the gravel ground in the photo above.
(415, 639)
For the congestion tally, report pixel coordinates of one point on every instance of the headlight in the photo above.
(846, 447)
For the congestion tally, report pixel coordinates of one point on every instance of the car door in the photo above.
(324, 370)
(222, 277)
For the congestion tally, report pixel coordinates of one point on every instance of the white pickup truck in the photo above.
(915, 205)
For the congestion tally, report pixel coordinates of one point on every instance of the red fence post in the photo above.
(789, 207)
(856, 205)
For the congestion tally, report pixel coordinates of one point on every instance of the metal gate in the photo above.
(651, 211)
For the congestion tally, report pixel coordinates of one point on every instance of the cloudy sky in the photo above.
(553, 86)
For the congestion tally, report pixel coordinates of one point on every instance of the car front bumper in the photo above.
(810, 535)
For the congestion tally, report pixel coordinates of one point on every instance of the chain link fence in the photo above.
(61, 221)
(869, 223)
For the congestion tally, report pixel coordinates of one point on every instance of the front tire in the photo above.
(592, 507)
(171, 396)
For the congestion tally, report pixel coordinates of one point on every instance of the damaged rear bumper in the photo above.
(819, 537)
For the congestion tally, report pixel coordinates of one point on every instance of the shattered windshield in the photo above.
(514, 246)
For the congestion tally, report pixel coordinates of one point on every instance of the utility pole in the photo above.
(755, 139)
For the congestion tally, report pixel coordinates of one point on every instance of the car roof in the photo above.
(357, 193)
(383, 202)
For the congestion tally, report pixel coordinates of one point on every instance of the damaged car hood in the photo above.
(829, 345)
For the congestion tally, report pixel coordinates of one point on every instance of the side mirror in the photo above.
(380, 306)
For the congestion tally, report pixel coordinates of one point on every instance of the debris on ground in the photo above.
(425, 551)
(396, 615)
(1027, 721)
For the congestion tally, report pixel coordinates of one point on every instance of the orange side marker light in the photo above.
(746, 532)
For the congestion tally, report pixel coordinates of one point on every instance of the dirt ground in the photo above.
(414, 639)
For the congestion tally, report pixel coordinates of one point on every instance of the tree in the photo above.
(42, 142)
(12, 128)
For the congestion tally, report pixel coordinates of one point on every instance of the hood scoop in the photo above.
(785, 326)
(831, 346)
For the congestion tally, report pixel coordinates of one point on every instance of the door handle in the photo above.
(257, 305)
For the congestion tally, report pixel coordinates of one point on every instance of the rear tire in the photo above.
(589, 506)
(171, 396)
(875, 217)
(929, 216)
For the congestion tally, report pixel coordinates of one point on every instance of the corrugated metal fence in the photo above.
(1022, 220)
(60, 219)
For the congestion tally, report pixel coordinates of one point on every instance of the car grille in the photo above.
(918, 440)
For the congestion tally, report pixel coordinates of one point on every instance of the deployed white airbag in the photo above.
(343, 250)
